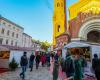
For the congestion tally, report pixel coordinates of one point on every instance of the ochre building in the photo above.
(83, 24)
(59, 22)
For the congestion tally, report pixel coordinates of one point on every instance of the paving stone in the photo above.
(41, 74)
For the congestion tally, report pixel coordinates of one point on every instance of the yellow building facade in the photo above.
(59, 19)
(85, 6)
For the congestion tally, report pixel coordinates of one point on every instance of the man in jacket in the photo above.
(37, 59)
(31, 61)
(23, 63)
(96, 66)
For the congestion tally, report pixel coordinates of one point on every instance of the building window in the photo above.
(8, 32)
(9, 25)
(4, 23)
(12, 42)
(2, 31)
(61, 4)
(7, 42)
(14, 27)
(58, 4)
(13, 34)
(58, 28)
(1, 40)
(16, 44)
(16, 35)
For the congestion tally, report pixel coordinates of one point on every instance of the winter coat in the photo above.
(48, 57)
(96, 64)
(37, 59)
(69, 66)
(32, 58)
(43, 59)
(55, 71)
(78, 70)
(24, 61)
(63, 65)
(31, 61)
(56, 57)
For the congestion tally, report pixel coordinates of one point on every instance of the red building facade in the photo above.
(85, 26)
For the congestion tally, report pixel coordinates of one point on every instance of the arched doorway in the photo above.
(93, 36)
(90, 30)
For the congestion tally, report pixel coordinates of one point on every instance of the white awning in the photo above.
(76, 45)
(2, 48)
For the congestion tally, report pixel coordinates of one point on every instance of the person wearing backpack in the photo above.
(69, 65)
(23, 63)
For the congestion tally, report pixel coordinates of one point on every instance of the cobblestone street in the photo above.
(40, 74)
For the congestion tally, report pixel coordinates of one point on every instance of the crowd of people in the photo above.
(70, 68)
(25, 62)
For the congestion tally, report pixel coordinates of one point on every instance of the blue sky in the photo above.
(34, 15)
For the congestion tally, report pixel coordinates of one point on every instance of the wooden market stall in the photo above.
(4, 57)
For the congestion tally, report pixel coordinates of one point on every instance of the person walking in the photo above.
(56, 57)
(43, 59)
(83, 63)
(55, 70)
(37, 59)
(69, 65)
(23, 63)
(31, 61)
(78, 68)
(48, 59)
(96, 66)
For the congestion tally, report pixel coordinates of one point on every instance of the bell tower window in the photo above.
(58, 4)
(58, 28)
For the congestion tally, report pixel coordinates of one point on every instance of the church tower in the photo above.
(59, 19)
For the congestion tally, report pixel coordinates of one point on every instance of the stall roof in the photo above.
(2, 48)
(15, 48)
(76, 44)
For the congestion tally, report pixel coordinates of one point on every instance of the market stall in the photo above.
(4, 57)
(84, 49)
